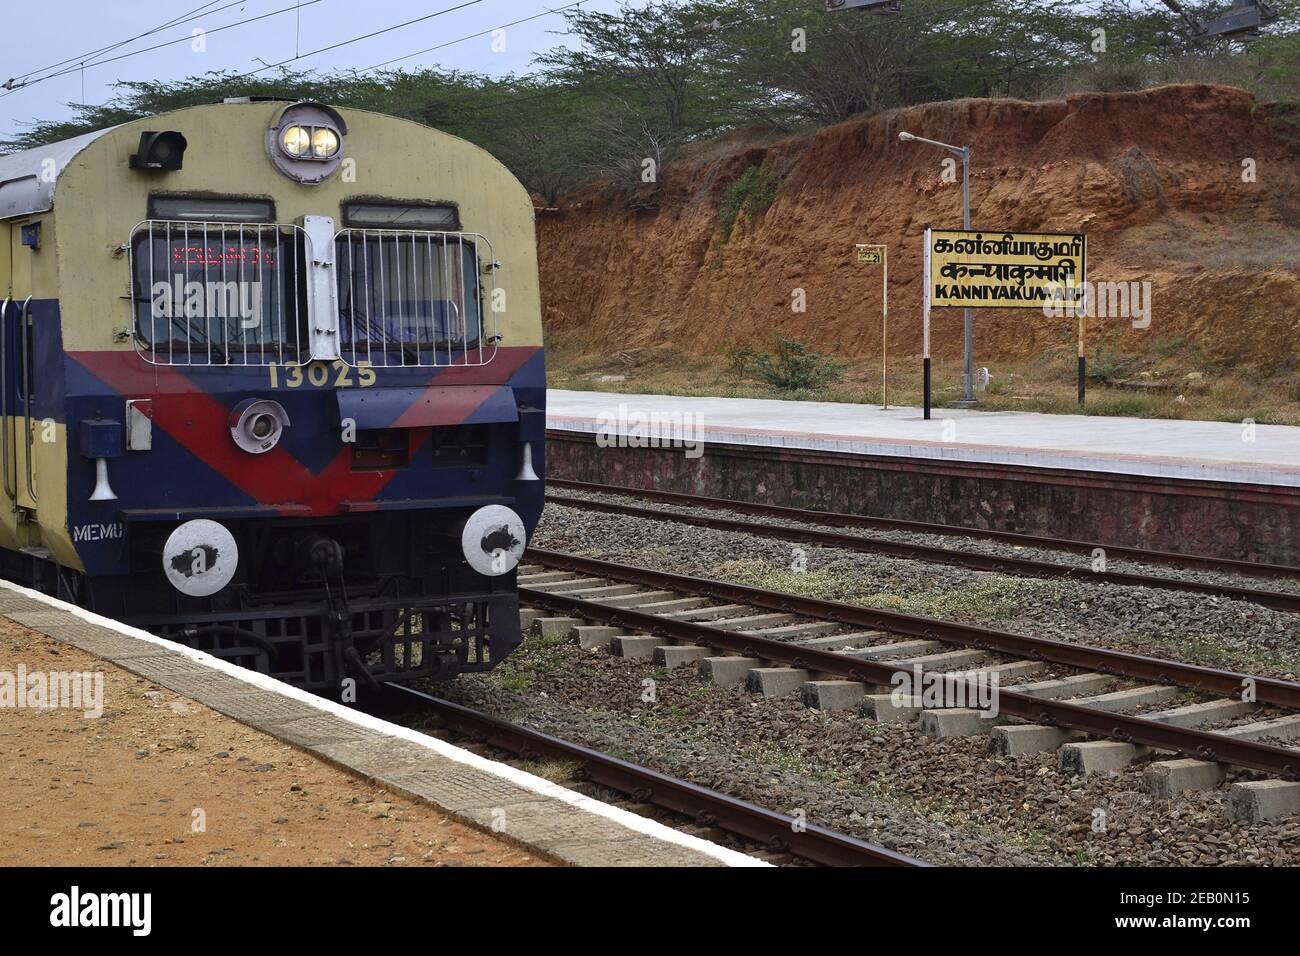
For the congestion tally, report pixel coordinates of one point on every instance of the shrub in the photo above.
(796, 366)
(1107, 366)
(740, 359)
(751, 194)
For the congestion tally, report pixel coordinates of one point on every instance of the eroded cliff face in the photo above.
(1154, 177)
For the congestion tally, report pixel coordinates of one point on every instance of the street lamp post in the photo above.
(964, 152)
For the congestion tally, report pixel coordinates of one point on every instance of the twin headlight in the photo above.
(309, 142)
(305, 142)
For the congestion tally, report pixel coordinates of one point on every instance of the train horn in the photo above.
(526, 472)
(103, 490)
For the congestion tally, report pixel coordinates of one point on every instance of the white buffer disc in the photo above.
(493, 540)
(200, 558)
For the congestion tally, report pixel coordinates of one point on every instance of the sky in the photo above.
(39, 34)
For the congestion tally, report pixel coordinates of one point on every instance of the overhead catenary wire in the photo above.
(373, 33)
(83, 57)
(158, 46)
(472, 36)
(356, 39)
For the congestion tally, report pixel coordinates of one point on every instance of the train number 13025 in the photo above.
(322, 374)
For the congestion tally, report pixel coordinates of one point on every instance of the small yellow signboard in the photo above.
(990, 270)
(870, 255)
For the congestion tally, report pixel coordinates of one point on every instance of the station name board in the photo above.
(985, 269)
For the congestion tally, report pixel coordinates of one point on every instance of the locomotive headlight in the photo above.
(295, 141)
(324, 143)
(257, 424)
(306, 141)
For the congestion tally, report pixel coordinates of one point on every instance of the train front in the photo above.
(311, 438)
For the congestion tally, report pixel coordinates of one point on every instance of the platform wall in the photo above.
(1247, 522)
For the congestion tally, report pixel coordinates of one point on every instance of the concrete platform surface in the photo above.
(507, 802)
(1210, 451)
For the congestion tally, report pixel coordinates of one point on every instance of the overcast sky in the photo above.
(39, 33)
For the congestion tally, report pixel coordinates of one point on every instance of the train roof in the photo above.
(27, 184)
(25, 187)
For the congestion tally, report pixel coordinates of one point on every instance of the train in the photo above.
(272, 386)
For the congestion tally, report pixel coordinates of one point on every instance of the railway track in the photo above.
(776, 832)
(779, 642)
(1026, 567)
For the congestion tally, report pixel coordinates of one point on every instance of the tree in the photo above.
(654, 74)
(848, 63)
(645, 82)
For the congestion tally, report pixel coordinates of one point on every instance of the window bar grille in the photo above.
(397, 276)
(278, 295)
(391, 280)
(207, 265)
(228, 313)
(433, 292)
(485, 305)
(185, 276)
(446, 297)
(297, 303)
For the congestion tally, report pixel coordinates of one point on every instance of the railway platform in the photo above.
(1159, 448)
(1226, 489)
(121, 748)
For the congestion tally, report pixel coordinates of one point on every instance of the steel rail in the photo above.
(1023, 567)
(1207, 680)
(1202, 744)
(776, 831)
(1176, 559)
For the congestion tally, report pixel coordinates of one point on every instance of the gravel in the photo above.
(1194, 628)
(722, 740)
(972, 544)
(947, 801)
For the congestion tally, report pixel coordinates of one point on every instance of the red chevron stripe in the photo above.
(192, 417)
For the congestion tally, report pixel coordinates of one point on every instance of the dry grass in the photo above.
(1045, 385)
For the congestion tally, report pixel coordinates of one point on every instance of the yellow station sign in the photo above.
(989, 269)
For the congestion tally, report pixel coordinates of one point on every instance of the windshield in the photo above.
(409, 298)
(219, 294)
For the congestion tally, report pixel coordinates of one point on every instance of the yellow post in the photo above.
(879, 255)
(884, 329)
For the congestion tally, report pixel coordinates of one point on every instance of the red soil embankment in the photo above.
(1155, 178)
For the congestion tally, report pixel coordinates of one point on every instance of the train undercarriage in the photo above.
(315, 604)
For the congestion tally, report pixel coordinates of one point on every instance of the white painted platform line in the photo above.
(520, 778)
(1209, 451)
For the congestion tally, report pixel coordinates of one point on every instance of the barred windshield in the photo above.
(409, 298)
(219, 294)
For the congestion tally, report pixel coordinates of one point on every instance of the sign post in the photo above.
(1083, 361)
(925, 327)
(991, 269)
(1082, 308)
(878, 255)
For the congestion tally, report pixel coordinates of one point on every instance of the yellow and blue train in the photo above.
(272, 385)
